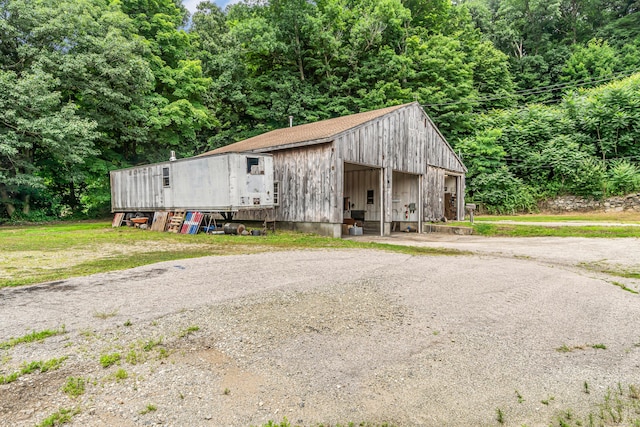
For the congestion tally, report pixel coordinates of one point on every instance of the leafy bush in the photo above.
(589, 179)
(502, 193)
(623, 178)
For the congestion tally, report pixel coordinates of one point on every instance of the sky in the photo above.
(191, 4)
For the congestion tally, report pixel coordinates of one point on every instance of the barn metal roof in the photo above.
(307, 134)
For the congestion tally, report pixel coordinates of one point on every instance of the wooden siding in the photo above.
(405, 192)
(434, 194)
(313, 178)
(404, 140)
(308, 189)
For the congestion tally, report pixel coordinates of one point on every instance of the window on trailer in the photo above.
(165, 177)
(251, 162)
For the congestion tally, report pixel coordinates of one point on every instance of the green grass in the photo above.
(134, 357)
(619, 406)
(103, 315)
(29, 368)
(34, 252)
(602, 267)
(518, 230)
(32, 337)
(566, 349)
(74, 386)
(121, 374)
(149, 408)
(188, 331)
(107, 360)
(151, 344)
(62, 416)
(624, 287)
(623, 217)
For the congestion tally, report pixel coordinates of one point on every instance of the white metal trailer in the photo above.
(227, 182)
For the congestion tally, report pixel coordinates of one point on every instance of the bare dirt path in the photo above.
(334, 336)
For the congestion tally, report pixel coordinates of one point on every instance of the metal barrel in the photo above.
(232, 228)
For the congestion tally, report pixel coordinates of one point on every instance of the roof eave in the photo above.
(293, 145)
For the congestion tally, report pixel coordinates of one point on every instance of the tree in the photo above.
(591, 62)
(36, 127)
(175, 110)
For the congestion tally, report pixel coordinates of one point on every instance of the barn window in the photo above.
(369, 197)
(276, 193)
(253, 166)
(165, 177)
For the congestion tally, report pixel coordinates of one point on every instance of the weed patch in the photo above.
(186, 332)
(547, 401)
(32, 337)
(103, 315)
(151, 344)
(624, 287)
(601, 267)
(121, 374)
(619, 406)
(148, 408)
(62, 416)
(74, 386)
(107, 360)
(29, 368)
(134, 357)
(566, 349)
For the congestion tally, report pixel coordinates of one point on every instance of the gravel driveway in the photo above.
(518, 328)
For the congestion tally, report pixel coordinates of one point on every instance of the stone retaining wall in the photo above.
(580, 204)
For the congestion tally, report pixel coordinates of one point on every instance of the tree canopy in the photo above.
(540, 97)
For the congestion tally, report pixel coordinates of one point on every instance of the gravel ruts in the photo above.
(332, 337)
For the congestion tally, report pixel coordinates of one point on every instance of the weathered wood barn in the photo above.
(389, 168)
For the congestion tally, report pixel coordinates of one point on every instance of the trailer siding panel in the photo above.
(212, 183)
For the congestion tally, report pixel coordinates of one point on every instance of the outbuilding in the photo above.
(388, 169)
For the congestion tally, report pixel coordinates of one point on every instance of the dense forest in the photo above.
(540, 97)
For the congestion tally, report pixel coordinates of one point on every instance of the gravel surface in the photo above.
(333, 337)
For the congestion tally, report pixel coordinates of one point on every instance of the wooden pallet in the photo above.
(175, 221)
(117, 220)
(159, 221)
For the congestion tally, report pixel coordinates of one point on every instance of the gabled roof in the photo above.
(307, 134)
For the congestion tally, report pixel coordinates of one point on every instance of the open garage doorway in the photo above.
(362, 198)
(451, 193)
(406, 209)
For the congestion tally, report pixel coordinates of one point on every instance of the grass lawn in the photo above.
(525, 230)
(622, 217)
(39, 253)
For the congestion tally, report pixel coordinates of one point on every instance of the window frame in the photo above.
(166, 177)
(276, 193)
